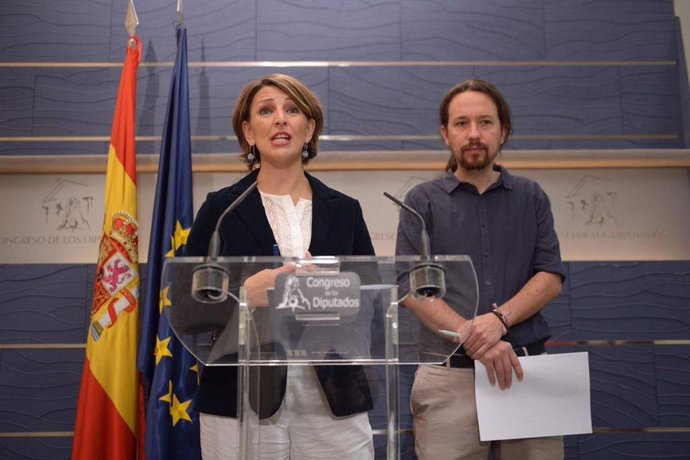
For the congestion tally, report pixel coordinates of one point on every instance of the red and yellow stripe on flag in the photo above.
(110, 414)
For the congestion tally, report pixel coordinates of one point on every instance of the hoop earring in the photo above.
(305, 151)
(252, 155)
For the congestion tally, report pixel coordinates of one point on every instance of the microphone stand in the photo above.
(210, 280)
(427, 279)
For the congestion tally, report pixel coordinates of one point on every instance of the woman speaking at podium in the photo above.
(314, 412)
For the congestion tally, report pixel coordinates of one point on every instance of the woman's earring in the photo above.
(305, 151)
(251, 156)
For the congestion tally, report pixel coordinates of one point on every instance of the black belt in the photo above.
(465, 362)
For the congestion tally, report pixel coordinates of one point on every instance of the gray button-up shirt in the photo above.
(508, 232)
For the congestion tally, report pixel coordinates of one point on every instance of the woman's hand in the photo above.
(257, 284)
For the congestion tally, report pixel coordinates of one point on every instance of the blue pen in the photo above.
(276, 253)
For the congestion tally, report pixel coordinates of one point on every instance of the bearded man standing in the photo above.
(504, 223)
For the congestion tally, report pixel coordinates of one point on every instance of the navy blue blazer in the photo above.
(338, 228)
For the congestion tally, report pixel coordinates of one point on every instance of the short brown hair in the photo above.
(302, 96)
(479, 86)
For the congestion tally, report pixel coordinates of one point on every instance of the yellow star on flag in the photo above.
(178, 239)
(195, 368)
(167, 397)
(164, 300)
(162, 350)
(178, 410)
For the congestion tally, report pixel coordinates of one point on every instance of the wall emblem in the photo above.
(592, 201)
(68, 206)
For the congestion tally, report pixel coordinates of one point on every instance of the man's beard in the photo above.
(474, 163)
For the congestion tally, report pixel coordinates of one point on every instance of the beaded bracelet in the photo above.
(499, 314)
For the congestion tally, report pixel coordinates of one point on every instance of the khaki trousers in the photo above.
(446, 427)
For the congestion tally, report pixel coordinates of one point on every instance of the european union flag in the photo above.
(172, 422)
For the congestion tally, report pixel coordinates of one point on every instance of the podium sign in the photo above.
(327, 311)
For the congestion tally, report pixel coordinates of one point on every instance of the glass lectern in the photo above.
(324, 311)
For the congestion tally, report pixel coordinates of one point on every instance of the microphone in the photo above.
(427, 279)
(210, 280)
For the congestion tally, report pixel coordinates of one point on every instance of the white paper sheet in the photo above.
(552, 399)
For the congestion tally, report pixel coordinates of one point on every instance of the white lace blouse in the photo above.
(290, 222)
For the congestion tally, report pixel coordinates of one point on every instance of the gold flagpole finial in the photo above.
(131, 19)
(180, 13)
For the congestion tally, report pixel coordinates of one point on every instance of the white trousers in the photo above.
(303, 428)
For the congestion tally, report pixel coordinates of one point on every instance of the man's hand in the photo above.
(500, 361)
(485, 332)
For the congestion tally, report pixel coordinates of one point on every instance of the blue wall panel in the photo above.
(630, 300)
(650, 98)
(609, 30)
(623, 386)
(44, 303)
(572, 103)
(557, 313)
(560, 100)
(70, 30)
(370, 101)
(467, 30)
(383, 100)
(673, 385)
(39, 389)
(16, 102)
(217, 30)
(36, 448)
(362, 30)
(544, 101)
(638, 446)
(71, 102)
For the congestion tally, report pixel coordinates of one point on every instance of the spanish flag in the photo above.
(110, 411)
